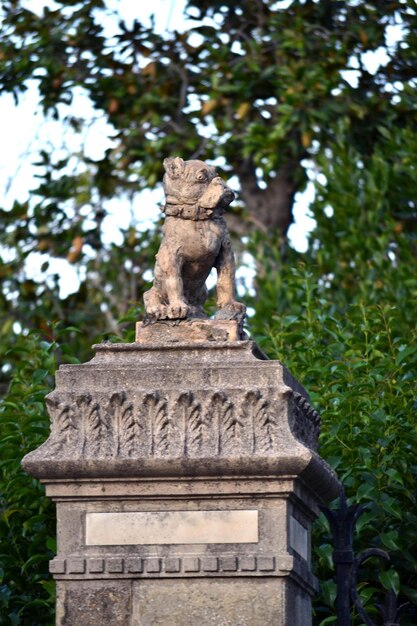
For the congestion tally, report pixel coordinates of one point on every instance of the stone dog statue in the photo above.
(195, 239)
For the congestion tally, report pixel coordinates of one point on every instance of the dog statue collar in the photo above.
(184, 211)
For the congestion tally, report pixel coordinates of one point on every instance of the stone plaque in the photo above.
(299, 538)
(171, 527)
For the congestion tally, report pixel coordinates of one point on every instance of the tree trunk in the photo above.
(270, 208)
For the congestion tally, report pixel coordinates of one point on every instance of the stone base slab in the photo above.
(188, 331)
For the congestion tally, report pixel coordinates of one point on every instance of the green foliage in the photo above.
(360, 370)
(343, 321)
(27, 522)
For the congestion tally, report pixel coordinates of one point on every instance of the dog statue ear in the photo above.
(174, 166)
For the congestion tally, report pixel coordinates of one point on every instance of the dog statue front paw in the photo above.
(177, 310)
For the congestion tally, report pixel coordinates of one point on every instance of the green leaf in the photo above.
(390, 540)
(404, 353)
(34, 560)
(410, 593)
(390, 580)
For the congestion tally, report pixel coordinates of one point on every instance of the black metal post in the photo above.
(342, 524)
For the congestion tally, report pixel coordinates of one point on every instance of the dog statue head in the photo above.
(193, 189)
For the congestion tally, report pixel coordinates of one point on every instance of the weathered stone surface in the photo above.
(186, 479)
(189, 331)
(186, 409)
(195, 240)
(220, 602)
(214, 602)
(298, 538)
(94, 603)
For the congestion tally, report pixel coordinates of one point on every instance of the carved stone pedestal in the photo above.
(186, 479)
